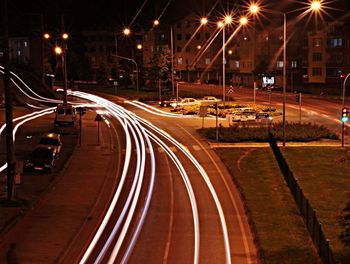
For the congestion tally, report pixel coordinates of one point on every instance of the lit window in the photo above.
(237, 64)
(279, 64)
(25, 43)
(335, 42)
(317, 42)
(179, 61)
(207, 61)
(294, 64)
(19, 52)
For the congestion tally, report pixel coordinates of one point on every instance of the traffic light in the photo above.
(297, 98)
(344, 114)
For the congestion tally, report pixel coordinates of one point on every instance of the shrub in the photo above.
(294, 132)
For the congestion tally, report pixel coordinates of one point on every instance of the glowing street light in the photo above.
(199, 47)
(254, 9)
(126, 31)
(156, 22)
(243, 21)
(228, 20)
(315, 5)
(46, 36)
(204, 21)
(58, 50)
(139, 46)
(220, 24)
(65, 36)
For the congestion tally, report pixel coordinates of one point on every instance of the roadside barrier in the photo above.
(309, 214)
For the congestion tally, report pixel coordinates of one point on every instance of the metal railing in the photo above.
(308, 213)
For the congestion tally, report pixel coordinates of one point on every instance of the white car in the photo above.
(210, 100)
(186, 102)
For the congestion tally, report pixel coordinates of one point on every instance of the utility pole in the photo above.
(64, 63)
(43, 53)
(10, 153)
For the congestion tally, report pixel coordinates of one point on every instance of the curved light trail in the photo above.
(136, 131)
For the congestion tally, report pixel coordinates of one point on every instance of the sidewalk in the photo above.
(46, 231)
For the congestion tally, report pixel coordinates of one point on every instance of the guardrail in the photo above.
(309, 214)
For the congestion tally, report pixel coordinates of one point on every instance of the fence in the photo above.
(306, 210)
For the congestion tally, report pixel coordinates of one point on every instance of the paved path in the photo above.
(46, 231)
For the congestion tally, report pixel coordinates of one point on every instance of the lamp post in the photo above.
(227, 21)
(156, 23)
(62, 51)
(137, 69)
(254, 10)
(315, 6)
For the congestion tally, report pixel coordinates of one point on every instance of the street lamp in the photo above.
(204, 21)
(61, 50)
(254, 10)
(137, 69)
(139, 46)
(126, 31)
(315, 6)
(58, 50)
(156, 23)
(227, 21)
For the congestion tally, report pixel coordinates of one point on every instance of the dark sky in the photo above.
(80, 14)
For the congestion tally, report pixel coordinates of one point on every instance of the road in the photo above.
(173, 200)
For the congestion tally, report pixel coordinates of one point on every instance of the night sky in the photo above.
(116, 14)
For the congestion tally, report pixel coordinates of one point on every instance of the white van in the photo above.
(65, 115)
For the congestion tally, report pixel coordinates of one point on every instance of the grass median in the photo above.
(324, 175)
(280, 231)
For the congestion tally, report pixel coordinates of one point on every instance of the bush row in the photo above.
(304, 132)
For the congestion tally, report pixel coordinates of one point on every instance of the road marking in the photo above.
(171, 214)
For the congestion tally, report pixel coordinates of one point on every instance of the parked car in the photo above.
(65, 115)
(244, 115)
(186, 102)
(42, 159)
(167, 102)
(51, 139)
(262, 115)
(208, 100)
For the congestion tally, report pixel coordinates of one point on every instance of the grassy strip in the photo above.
(280, 231)
(294, 131)
(323, 173)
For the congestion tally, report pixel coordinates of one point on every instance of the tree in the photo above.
(160, 66)
(101, 74)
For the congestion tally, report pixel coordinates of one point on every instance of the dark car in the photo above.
(51, 139)
(42, 159)
(262, 115)
(167, 102)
